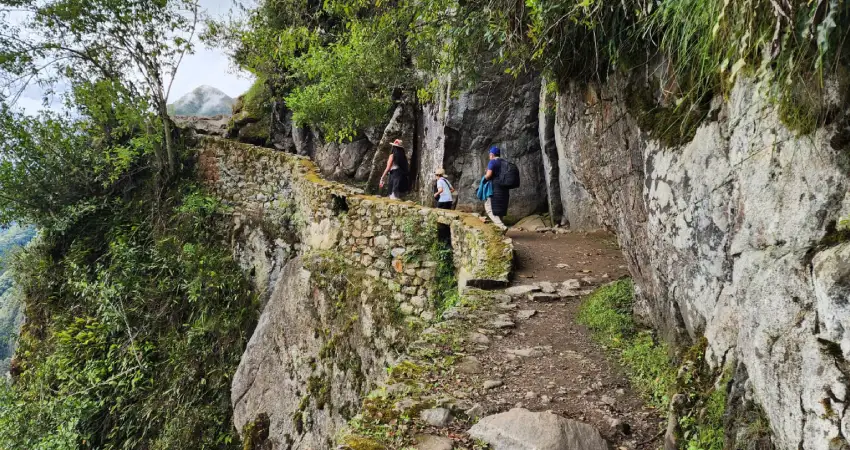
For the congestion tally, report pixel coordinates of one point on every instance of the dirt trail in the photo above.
(566, 372)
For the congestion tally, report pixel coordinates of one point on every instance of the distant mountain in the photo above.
(204, 101)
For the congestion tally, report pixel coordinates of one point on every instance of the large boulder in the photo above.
(456, 133)
(521, 429)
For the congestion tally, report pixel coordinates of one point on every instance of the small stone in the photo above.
(478, 338)
(518, 291)
(398, 266)
(475, 412)
(620, 425)
(431, 442)
(501, 323)
(525, 352)
(405, 405)
(563, 266)
(454, 313)
(608, 400)
(621, 391)
(547, 287)
(381, 241)
(571, 284)
(436, 417)
(469, 365)
(525, 314)
(506, 306)
(502, 298)
(543, 297)
(492, 384)
(530, 395)
(397, 252)
(545, 400)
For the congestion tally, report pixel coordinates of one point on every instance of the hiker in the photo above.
(444, 189)
(495, 196)
(397, 168)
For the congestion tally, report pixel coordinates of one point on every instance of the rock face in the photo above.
(455, 134)
(521, 429)
(452, 133)
(308, 383)
(723, 238)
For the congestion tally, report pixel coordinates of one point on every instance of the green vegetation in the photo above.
(341, 65)
(134, 329)
(136, 314)
(389, 418)
(657, 372)
(11, 312)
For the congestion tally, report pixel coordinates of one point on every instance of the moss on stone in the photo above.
(362, 443)
(255, 434)
(319, 388)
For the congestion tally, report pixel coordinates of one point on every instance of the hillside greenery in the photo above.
(341, 64)
(11, 312)
(136, 313)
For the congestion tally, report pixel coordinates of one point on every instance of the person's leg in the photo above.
(444, 205)
(488, 207)
(393, 185)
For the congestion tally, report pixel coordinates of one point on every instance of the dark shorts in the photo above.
(444, 205)
(397, 183)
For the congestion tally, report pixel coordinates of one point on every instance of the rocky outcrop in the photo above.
(455, 134)
(726, 237)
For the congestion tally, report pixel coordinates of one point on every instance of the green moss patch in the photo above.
(658, 371)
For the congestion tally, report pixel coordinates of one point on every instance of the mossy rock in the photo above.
(256, 133)
(362, 443)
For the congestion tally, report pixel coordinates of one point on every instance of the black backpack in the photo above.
(508, 175)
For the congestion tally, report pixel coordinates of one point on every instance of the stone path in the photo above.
(522, 348)
(549, 362)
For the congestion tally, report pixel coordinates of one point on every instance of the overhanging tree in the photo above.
(135, 45)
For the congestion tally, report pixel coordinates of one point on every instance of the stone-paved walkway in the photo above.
(548, 361)
(521, 347)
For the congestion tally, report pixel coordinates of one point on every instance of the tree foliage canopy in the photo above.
(319, 55)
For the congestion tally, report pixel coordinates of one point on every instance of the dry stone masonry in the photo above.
(347, 281)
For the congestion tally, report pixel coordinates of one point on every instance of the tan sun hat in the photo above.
(440, 172)
(398, 143)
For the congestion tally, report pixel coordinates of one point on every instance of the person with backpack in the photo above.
(496, 205)
(444, 190)
(397, 168)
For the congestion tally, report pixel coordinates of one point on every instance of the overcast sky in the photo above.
(205, 67)
(210, 66)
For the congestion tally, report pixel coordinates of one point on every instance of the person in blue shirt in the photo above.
(444, 190)
(496, 205)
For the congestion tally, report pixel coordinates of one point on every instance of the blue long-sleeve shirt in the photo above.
(485, 189)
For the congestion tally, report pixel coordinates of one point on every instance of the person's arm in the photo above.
(387, 170)
(439, 189)
(489, 174)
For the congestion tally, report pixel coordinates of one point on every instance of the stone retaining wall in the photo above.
(297, 211)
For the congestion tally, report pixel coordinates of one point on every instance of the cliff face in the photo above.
(723, 237)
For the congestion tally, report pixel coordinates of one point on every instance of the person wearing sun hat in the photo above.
(443, 194)
(397, 170)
